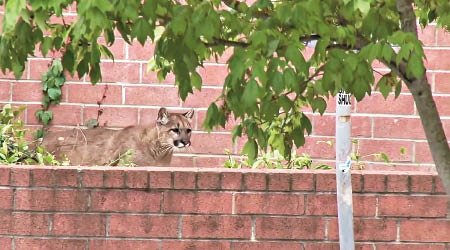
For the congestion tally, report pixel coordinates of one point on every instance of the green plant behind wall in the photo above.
(14, 148)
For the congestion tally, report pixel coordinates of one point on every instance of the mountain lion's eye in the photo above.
(188, 130)
(175, 130)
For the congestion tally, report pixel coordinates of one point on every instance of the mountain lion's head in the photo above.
(175, 128)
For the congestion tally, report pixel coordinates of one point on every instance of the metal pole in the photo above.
(343, 174)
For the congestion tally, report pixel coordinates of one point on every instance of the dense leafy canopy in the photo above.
(270, 80)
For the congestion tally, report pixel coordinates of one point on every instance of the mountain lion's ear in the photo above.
(189, 114)
(163, 116)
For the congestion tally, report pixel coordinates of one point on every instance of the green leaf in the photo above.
(68, 61)
(250, 93)
(319, 104)
(306, 124)
(384, 87)
(196, 81)
(298, 136)
(251, 150)
(385, 157)
(46, 44)
(415, 66)
(398, 88)
(11, 14)
(178, 25)
(362, 5)
(54, 94)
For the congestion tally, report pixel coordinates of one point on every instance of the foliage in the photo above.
(52, 82)
(124, 159)
(274, 160)
(14, 148)
(270, 80)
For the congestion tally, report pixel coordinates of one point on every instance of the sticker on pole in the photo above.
(343, 98)
(345, 166)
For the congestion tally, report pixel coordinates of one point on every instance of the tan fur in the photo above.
(101, 146)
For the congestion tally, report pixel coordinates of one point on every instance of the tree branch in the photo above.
(219, 41)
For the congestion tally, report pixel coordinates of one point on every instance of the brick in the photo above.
(5, 91)
(6, 242)
(236, 227)
(442, 104)
(137, 179)
(266, 245)
(255, 181)
(24, 223)
(326, 204)
(117, 48)
(421, 183)
(232, 181)
(27, 91)
(62, 114)
(125, 201)
(427, 35)
(92, 178)
(397, 183)
(121, 244)
(112, 117)
(120, 72)
(115, 178)
(160, 179)
(410, 128)
(184, 180)
(20, 177)
(439, 186)
(49, 244)
(52, 200)
(269, 203)
(412, 206)
(148, 116)
(326, 125)
(38, 67)
(406, 246)
(367, 229)
(193, 245)
(356, 183)
(213, 74)
(6, 201)
(442, 83)
(139, 52)
(375, 182)
(205, 161)
(203, 98)
(231, 122)
(317, 148)
(79, 225)
(302, 181)
(434, 59)
(183, 161)
(152, 77)
(152, 95)
(326, 182)
(43, 177)
(290, 228)
(391, 148)
(425, 230)
(197, 202)
(87, 93)
(279, 181)
(334, 246)
(5, 176)
(221, 142)
(65, 177)
(443, 37)
(208, 180)
(143, 226)
(404, 105)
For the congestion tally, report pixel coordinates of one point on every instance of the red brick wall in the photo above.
(183, 208)
(133, 98)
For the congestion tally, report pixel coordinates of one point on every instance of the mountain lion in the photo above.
(101, 146)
